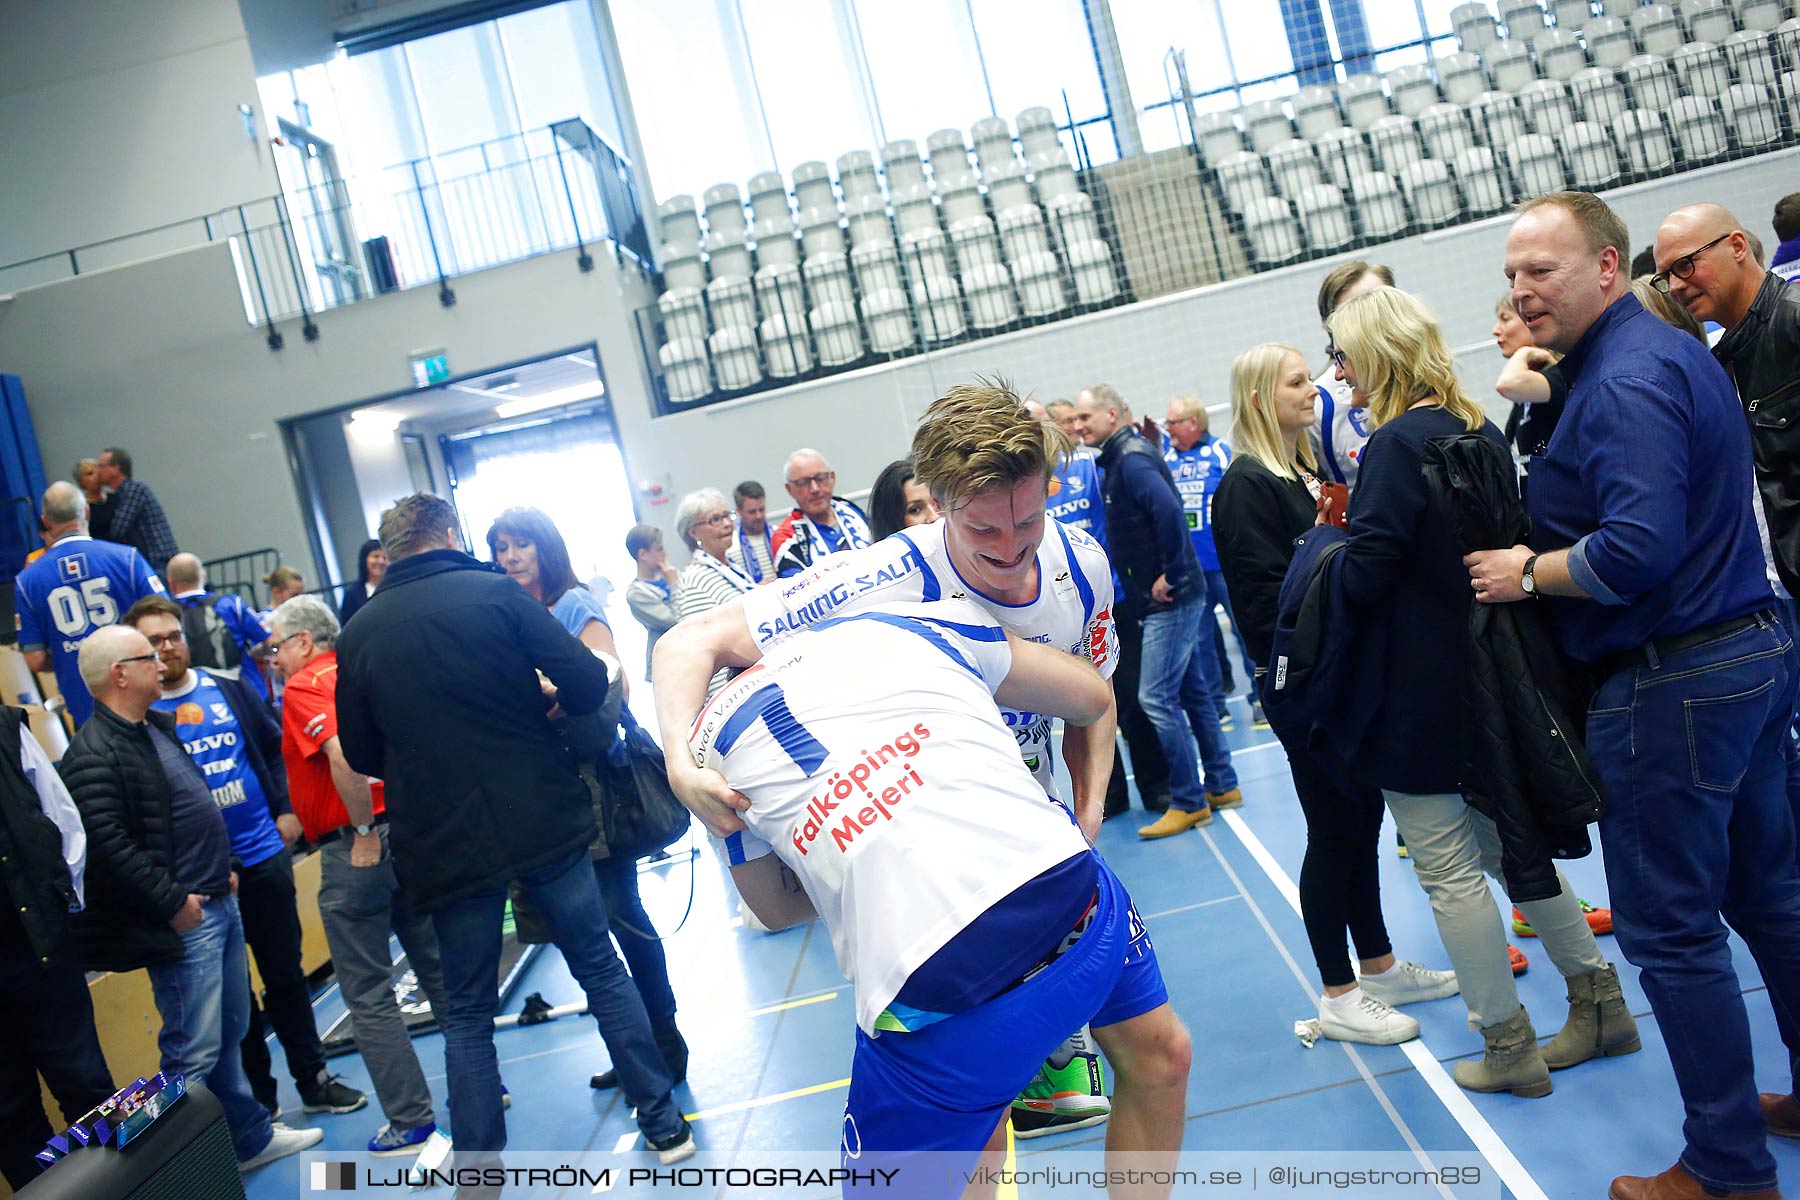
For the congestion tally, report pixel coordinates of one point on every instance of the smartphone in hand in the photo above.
(1334, 503)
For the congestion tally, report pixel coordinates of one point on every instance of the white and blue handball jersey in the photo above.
(1198, 471)
(881, 773)
(1073, 609)
(78, 586)
(1341, 432)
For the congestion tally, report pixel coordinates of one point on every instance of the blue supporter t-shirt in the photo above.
(1197, 471)
(576, 607)
(214, 740)
(78, 586)
(1077, 500)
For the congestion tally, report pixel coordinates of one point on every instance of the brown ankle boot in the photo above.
(1512, 1063)
(1675, 1184)
(1782, 1113)
(1599, 1024)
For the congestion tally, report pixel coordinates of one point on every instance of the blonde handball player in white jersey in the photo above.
(988, 464)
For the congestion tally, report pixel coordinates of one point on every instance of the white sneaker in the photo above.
(283, 1142)
(1368, 1021)
(1409, 983)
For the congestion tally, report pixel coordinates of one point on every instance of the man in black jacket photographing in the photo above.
(439, 696)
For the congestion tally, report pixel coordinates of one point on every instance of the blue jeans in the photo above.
(1697, 827)
(468, 934)
(1217, 597)
(1179, 692)
(204, 1001)
(636, 936)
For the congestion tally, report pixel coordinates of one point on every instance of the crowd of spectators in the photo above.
(1627, 551)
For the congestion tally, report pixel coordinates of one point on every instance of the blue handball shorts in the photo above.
(946, 1086)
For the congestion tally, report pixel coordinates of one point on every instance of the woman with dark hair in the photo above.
(898, 501)
(371, 566)
(526, 544)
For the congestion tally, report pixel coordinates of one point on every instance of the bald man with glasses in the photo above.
(1705, 260)
(822, 522)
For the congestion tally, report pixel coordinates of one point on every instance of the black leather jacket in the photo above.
(1762, 356)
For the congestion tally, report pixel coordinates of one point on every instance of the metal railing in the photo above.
(419, 223)
(242, 574)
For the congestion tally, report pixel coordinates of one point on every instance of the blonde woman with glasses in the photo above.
(1269, 496)
(1401, 573)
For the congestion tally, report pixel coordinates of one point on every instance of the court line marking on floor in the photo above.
(760, 1101)
(1350, 1052)
(1169, 912)
(1511, 1171)
(626, 1141)
(772, 1008)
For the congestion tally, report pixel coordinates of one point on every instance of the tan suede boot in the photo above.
(1599, 1024)
(1512, 1062)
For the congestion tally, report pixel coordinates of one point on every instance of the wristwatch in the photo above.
(363, 830)
(1526, 580)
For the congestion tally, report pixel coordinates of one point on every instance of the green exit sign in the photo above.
(430, 367)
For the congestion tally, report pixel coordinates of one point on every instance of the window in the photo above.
(812, 94)
(1147, 31)
(696, 107)
(1037, 50)
(924, 65)
(553, 56)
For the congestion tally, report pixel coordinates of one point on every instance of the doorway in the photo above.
(539, 433)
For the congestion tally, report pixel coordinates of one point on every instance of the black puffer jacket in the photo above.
(113, 772)
(1525, 766)
(1762, 356)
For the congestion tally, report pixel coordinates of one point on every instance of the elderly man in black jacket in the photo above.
(160, 884)
(46, 1018)
(442, 694)
(229, 731)
(1147, 540)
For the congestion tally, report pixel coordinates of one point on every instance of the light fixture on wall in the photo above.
(373, 424)
(555, 398)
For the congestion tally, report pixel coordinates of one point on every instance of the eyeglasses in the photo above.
(718, 518)
(158, 641)
(136, 658)
(1683, 267)
(1336, 356)
(1172, 421)
(280, 642)
(822, 479)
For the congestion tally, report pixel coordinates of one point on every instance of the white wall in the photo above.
(157, 357)
(382, 476)
(117, 117)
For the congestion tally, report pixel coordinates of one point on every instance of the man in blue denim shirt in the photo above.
(1644, 535)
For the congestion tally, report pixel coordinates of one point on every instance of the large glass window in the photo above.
(1035, 52)
(553, 57)
(696, 106)
(924, 64)
(812, 95)
(1147, 31)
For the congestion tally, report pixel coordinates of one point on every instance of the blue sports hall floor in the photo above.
(769, 1019)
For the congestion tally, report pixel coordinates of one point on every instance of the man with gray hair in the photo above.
(360, 898)
(160, 888)
(78, 586)
(822, 522)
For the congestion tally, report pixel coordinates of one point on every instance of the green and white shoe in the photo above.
(1068, 1091)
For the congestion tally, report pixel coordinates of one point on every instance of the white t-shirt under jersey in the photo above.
(879, 769)
(1073, 608)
